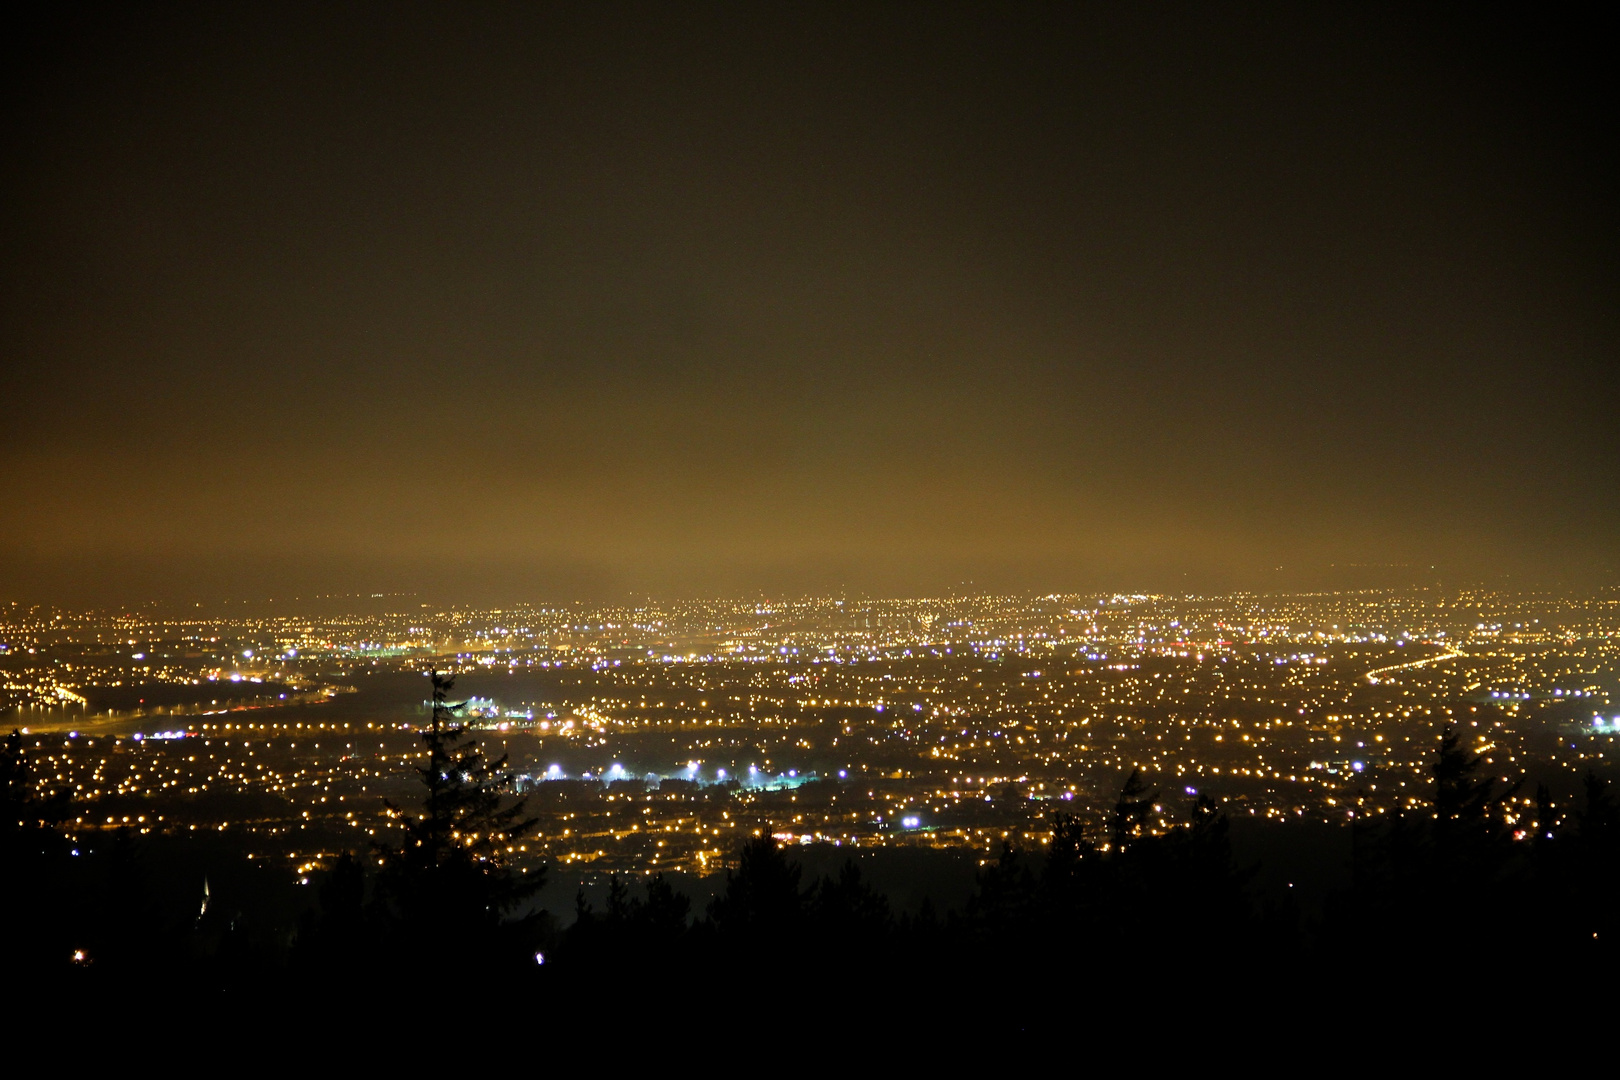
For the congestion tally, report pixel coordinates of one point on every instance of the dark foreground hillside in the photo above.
(1278, 913)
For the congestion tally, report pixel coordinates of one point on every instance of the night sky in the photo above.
(520, 302)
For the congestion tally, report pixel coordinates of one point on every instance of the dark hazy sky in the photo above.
(522, 301)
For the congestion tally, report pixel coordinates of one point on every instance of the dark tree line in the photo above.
(1143, 902)
(1544, 890)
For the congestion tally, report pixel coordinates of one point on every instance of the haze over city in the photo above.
(528, 302)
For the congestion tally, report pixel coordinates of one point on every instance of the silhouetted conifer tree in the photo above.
(762, 898)
(849, 914)
(1003, 901)
(448, 881)
(1462, 797)
(630, 929)
(1129, 817)
(1468, 849)
(1210, 906)
(1068, 857)
(666, 913)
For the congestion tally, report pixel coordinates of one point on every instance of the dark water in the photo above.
(180, 695)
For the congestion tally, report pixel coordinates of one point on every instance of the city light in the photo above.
(978, 715)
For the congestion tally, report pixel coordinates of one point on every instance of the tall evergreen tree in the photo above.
(1067, 858)
(848, 912)
(1461, 796)
(450, 881)
(1469, 835)
(762, 898)
(1129, 818)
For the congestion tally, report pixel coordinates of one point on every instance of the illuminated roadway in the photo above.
(1372, 676)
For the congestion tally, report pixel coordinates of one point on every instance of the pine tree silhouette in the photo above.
(762, 899)
(1461, 797)
(1468, 849)
(848, 912)
(449, 879)
(1129, 818)
(1067, 858)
